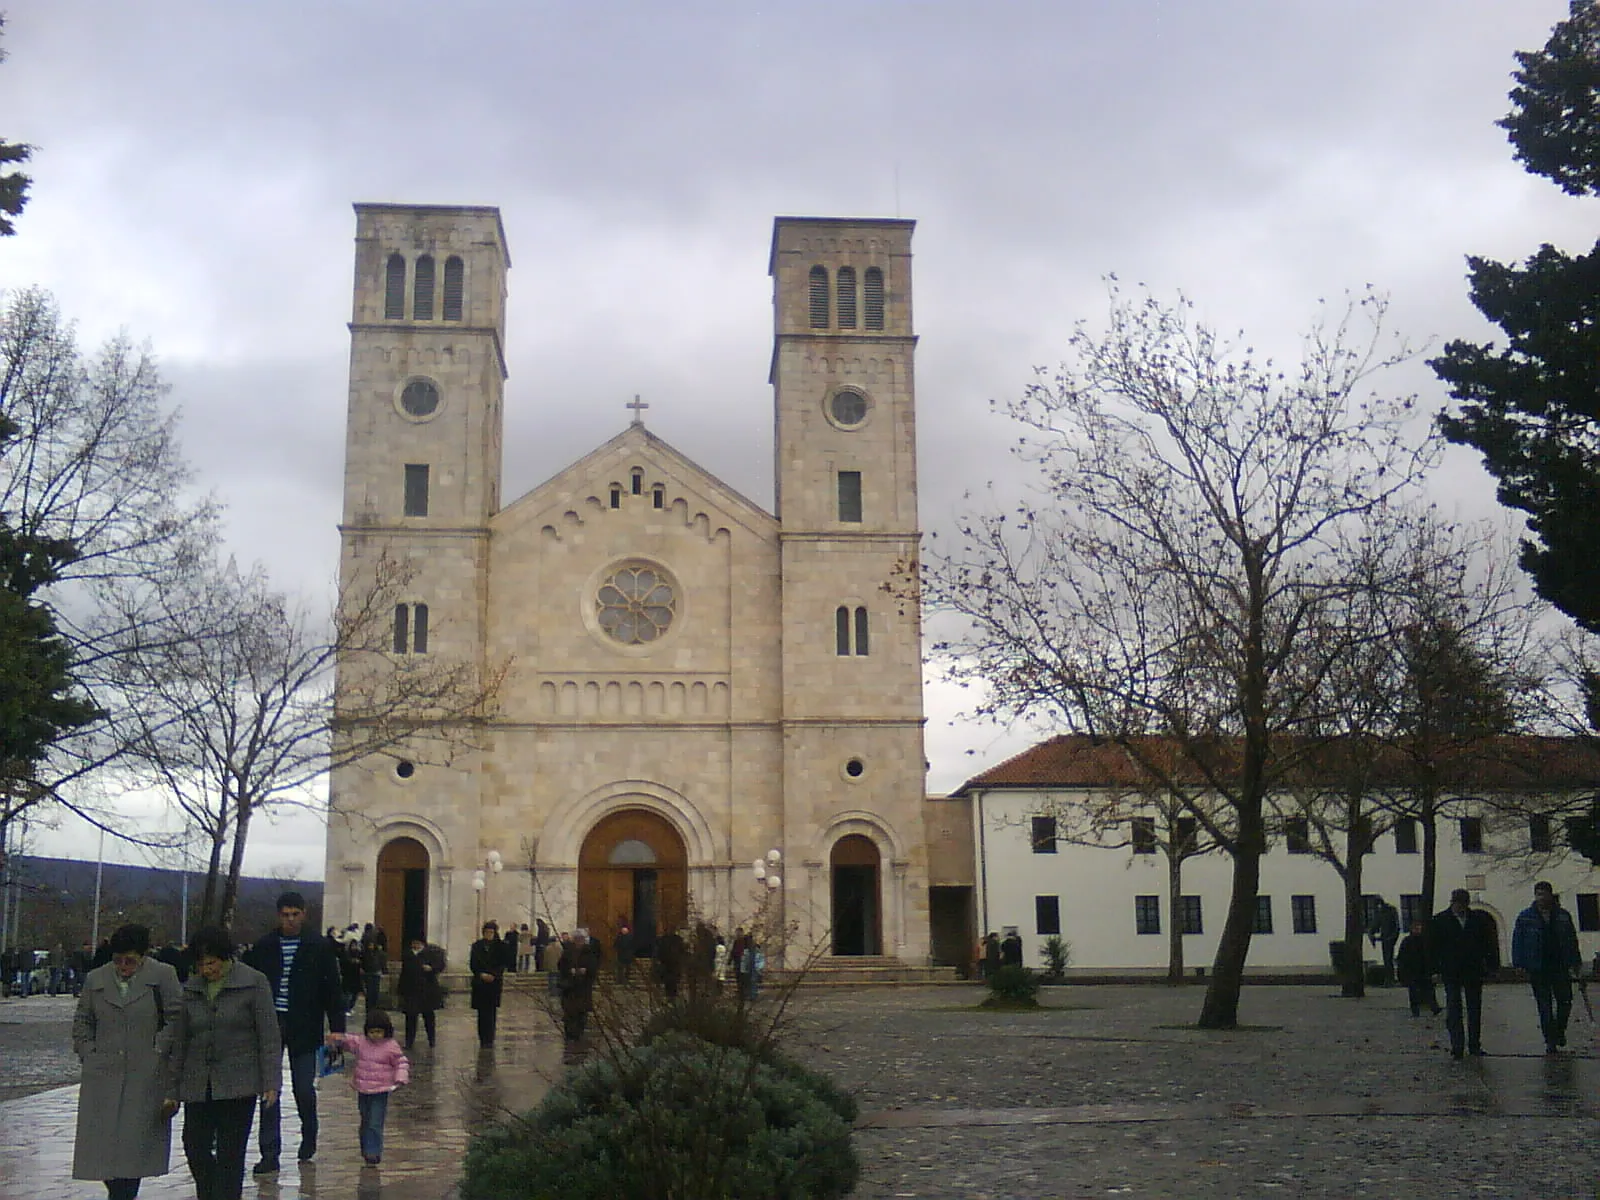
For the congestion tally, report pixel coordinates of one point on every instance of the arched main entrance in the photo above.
(857, 914)
(401, 910)
(633, 867)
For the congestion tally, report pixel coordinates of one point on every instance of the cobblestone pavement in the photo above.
(1109, 1092)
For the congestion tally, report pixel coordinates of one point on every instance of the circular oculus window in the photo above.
(635, 604)
(420, 398)
(847, 407)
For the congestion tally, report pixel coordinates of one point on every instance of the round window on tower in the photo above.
(419, 399)
(848, 408)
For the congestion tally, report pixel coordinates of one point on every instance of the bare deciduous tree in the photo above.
(1198, 512)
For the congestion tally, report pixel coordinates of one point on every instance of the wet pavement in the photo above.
(1109, 1092)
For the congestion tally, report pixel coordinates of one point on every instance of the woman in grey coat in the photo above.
(121, 1033)
(225, 1053)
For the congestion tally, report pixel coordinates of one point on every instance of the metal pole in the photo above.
(183, 916)
(99, 872)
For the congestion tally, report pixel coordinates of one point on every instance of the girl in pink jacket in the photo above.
(381, 1066)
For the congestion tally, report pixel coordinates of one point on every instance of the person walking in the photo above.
(487, 964)
(122, 1034)
(1011, 949)
(1414, 969)
(622, 947)
(1544, 945)
(578, 966)
(374, 964)
(225, 1054)
(1461, 945)
(381, 1067)
(420, 988)
(302, 969)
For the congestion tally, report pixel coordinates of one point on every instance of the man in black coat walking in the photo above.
(1463, 949)
(303, 971)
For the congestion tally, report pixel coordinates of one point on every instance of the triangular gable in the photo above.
(588, 477)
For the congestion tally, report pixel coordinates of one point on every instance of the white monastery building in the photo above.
(1111, 900)
(690, 681)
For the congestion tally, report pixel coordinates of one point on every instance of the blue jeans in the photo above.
(303, 1079)
(374, 1108)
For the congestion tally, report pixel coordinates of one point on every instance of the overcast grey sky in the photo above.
(197, 161)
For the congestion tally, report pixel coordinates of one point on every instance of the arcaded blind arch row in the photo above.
(823, 311)
(423, 288)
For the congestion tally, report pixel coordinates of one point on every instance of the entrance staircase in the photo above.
(862, 971)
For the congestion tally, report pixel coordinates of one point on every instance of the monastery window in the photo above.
(874, 298)
(410, 628)
(861, 631)
(1188, 834)
(616, 495)
(636, 604)
(1143, 835)
(658, 497)
(1043, 833)
(1540, 840)
(1369, 910)
(454, 286)
(422, 290)
(1263, 914)
(631, 853)
(850, 496)
(1405, 835)
(845, 283)
(1411, 910)
(1147, 914)
(819, 297)
(420, 398)
(849, 635)
(416, 490)
(1303, 910)
(1471, 835)
(1297, 833)
(636, 481)
(1588, 911)
(394, 289)
(1190, 914)
(1047, 916)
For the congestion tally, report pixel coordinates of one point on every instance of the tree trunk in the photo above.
(1428, 818)
(208, 901)
(1355, 925)
(1174, 925)
(1221, 1007)
(230, 893)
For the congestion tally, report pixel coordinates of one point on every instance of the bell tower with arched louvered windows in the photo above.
(842, 374)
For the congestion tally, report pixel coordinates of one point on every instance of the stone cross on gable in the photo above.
(638, 406)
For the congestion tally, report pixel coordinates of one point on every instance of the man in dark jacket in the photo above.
(1385, 931)
(1544, 943)
(1414, 969)
(486, 961)
(303, 970)
(1461, 945)
(578, 968)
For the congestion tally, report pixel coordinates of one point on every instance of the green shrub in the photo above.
(1013, 987)
(1057, 953)
(677, 1119)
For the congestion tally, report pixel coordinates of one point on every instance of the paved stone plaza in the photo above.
(1110, 1093)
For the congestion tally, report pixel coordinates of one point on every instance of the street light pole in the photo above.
(99, 873)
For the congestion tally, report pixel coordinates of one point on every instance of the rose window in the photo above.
(635, 605)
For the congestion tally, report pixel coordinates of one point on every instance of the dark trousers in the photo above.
(1421, 995)
(487, 1016)
(215, 1134)
(374, 1108)
(1388, 961)
(1552, 992)
(373, 983)
(303, 1079)
(122, 1189)
(429, 1022)
(1471, 993)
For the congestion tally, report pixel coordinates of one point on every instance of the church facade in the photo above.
(690, 682)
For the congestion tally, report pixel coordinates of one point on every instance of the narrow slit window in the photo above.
(394, 289)
(819, 297)
(873, 297)
(658, 497)
(419, 629)
(850, 496)
(422, 290)
(454, 285)
(616, 495)
(637, 479)
(402, 628)
(416, 489)
(841, 631)
(846, 287)
(861, 631)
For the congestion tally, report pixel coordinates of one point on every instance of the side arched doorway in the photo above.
(633, 867)
(857, 913)
(401, 910)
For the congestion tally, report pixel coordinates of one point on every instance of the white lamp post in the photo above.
(493, 864)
